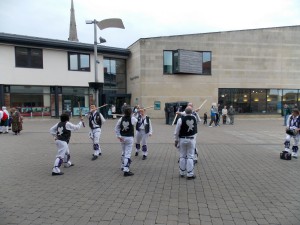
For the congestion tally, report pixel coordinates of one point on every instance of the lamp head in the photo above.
(102, 40)
(89, 21)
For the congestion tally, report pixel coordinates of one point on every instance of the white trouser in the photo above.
(95, 135)
(288, 139)
(62, 155)
(196, 150)
(126, 145)
(186, 156)
(142, 140)
(4, 129)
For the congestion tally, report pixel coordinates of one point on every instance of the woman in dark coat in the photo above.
(17, 120)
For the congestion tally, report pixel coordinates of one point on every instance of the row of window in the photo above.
(175, 62)
(114, 69)
(33, 58)
(258, 100)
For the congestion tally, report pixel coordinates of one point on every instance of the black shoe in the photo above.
(144, 157)
(94, 157)
(191, 178)
(181, 175)
(57, 174)
(129, 173)
(195, 161)
(100, 153)
(136, 154)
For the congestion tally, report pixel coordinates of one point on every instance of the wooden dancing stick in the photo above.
(176, 115)
(80, 113)
(201, 105)
(102, 106)
(149, 107)
(174, 119)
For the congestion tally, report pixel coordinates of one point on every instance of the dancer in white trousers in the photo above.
(293, 125)
(125, 133)
(62, 134)
(195, 114)
(143, 131)
(185, 133)
(96, 121)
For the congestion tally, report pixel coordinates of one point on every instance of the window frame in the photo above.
(79, 62)
(32, 59)
(172, 53)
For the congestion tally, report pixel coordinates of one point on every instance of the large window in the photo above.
(79, 62)
(114, 75)
(258, 100)
(29, 57)
(187, 62)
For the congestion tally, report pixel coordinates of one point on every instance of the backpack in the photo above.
(4, 117)
(285, 155)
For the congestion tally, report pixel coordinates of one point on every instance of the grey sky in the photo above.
(142, 19)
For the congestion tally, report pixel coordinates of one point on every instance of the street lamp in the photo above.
(103, 24)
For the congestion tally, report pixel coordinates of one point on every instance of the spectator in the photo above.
(286, 112)
(224, 114)
(231, 113)
(17, 121)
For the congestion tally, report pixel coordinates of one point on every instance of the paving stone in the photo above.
(239, 178)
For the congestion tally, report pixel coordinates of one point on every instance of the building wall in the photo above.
(260, 58)
(55, 70)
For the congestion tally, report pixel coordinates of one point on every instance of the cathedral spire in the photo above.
(73, 30)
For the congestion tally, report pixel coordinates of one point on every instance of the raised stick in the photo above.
(102, 106)
(80, 114)
(149, 107)
(201, 105)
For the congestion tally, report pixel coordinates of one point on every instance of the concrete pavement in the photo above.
(240, 178)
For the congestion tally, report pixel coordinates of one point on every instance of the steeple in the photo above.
(73, 30)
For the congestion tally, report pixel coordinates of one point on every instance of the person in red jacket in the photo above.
(4, 121)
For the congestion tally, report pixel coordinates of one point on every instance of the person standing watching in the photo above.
(185, 131)
(231, 113)
(224, 114)
(286, 111)
(5, 120)
(213, 113)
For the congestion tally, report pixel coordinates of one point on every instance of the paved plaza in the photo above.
(240, 178)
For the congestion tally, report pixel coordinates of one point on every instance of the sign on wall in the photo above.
(156, 105)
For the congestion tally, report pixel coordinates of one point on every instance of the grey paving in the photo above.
(240, 179)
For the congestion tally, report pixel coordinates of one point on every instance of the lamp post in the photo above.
(103, 24)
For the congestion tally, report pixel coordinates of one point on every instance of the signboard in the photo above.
(156, 105)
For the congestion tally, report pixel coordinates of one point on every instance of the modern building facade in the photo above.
(256, 71)
(45, 77)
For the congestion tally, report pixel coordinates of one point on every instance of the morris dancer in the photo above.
(62, 134)
(292, 131)
(125, 133)
(185, 131)
(96, 120)
(143, 131)
(195, 114)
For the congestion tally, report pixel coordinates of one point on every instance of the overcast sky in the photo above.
(143, 19)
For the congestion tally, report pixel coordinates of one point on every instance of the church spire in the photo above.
(73, 30)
